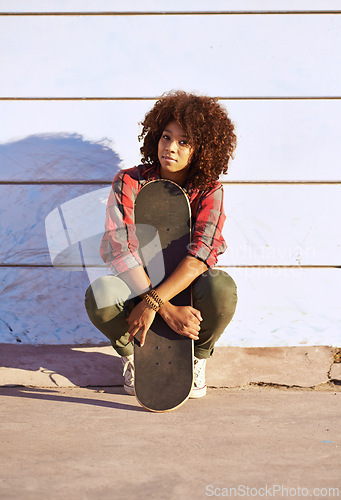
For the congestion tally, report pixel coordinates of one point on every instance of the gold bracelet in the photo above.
(151, 303)
(152, 293)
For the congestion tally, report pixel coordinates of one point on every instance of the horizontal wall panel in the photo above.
(233, 55)
(266, 224)
(57, 157)
(282, 224)
(276, 308)
(165, 6)
(285, 140)
(45, 306)
(33, 217)
(282, 307)
(88, 140)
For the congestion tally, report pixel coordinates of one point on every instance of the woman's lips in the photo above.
(168, 158)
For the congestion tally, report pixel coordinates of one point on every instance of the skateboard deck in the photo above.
(164, 365)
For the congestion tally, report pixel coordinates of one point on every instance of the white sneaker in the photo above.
(199, 385)
(128, 374)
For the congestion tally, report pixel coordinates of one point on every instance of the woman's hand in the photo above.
(140, 319)
(184, 320)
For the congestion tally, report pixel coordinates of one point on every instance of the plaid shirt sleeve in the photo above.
(119, 244)
(208, 220)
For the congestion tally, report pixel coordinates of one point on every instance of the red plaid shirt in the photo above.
(119, 247)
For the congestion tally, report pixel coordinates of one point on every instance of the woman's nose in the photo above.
(171, 146)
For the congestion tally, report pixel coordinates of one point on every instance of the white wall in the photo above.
(74, 87)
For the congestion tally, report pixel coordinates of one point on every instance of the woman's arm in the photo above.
(184, 320)
(185, 273)
(119, 247)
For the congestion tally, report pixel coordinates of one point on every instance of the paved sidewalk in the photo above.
(83, 366)
(85, 444)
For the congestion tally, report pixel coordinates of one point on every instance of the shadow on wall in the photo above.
(57, 157)
(40, 304)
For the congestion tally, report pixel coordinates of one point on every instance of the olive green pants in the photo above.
(214, 295)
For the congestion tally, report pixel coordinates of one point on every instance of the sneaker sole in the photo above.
(129, 390)
(198, 393)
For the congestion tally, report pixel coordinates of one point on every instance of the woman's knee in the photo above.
(105, 299)
(215, 288)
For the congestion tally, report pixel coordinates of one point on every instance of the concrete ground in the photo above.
(86, 443)
(83, 366)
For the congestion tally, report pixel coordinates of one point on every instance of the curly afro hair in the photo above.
(209, 129)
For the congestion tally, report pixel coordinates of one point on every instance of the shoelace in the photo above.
(199, 372)
(128, 371)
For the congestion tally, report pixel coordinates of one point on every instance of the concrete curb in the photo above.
(84, 366)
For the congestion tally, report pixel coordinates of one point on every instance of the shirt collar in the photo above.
(152, 173)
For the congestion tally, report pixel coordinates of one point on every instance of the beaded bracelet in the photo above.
(152, 293)
(151, 303)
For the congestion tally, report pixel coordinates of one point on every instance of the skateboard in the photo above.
(164, 365)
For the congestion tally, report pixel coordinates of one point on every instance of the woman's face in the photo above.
(174, 153)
